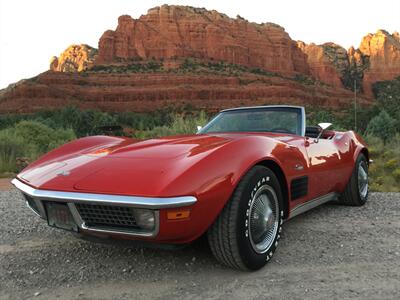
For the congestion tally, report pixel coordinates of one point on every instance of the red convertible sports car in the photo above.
(236, 181)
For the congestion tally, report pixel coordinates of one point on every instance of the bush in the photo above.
(382, 126)
(384, 173)
(396, 174)
(11, 147)
(179, 125)
(391, 164)
(29, 139)
(387, 94)
(42, 137)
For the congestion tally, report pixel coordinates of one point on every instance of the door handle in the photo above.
(298, 167)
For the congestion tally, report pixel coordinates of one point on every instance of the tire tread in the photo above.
(350, 194)
(222, 234)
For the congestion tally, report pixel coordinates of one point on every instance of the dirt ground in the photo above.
(332, 252)
(5, 184)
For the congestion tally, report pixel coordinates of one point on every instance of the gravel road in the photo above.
(331, 252)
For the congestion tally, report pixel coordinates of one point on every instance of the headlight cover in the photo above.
(145, 218)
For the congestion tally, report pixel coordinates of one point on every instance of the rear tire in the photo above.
(246, 233)
(356, 191)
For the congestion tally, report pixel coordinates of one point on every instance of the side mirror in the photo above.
(323, 127)
(199, 128)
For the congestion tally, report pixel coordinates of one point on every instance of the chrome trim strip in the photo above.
(303, 123)
(262, 106)
(135, 201)
(31, 208)
(301, 208)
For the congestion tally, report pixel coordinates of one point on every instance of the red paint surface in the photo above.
(205, 166)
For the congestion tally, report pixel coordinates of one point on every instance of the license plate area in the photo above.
(59, 216)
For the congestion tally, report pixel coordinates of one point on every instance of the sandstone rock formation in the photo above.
(383, 51)
(376, 59)
(75, 58)
(138, 66)
(321, 65)
(181, 31)
(156, 90)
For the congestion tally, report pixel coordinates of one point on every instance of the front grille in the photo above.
(106, 215)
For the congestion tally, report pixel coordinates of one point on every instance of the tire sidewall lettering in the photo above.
(264, 180)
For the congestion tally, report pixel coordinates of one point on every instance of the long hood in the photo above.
(121, 166)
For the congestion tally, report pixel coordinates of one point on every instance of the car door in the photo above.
(324, 166)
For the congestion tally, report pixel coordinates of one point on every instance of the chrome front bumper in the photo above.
(35, 199)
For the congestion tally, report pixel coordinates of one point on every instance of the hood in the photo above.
(125, 166)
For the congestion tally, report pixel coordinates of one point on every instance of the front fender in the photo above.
(214, 178)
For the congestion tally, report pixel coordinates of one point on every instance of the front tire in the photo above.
(246, 233)
(356, 191)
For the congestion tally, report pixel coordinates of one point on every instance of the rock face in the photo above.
(383, 52)
(156, 90)
(321, 65)
(180, 31)
(178, 55)
(75, 58)
(377, 59)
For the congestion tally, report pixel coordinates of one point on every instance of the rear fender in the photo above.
(359, 146)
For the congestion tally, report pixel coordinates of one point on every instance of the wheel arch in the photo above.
(366, 153)
(274, 167)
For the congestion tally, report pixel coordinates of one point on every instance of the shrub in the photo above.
(375, 145)
(384, 172)
(42, 137)
(387, 94)
(306, 80)
(179, 125)
(391, 164)
(11, 147)
(382, 126)
(29, 139)
(396, 174)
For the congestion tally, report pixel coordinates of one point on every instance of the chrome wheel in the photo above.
(263, 219)
(363, 179)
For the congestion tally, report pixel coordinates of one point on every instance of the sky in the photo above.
(32, 31)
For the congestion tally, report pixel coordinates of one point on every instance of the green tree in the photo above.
(387, 95)
(382, 126)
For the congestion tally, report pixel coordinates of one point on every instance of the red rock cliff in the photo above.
(180, 31)
(321, 66)
(383, 52)
(122, 74)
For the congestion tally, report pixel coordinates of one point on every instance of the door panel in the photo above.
(324, 166)
(327, 162)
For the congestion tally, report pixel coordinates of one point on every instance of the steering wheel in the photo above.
(281, 130)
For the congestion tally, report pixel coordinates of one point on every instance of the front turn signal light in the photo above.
(178, 214)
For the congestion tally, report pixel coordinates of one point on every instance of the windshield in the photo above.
(277, 119)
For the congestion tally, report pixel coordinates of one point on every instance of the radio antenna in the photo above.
(355, 105)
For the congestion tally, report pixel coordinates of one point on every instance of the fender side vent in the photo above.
(299, 187)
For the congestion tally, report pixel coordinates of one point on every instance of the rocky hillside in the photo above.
(177, 55)
(376, 59)
(383, 57)
(174, 31)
